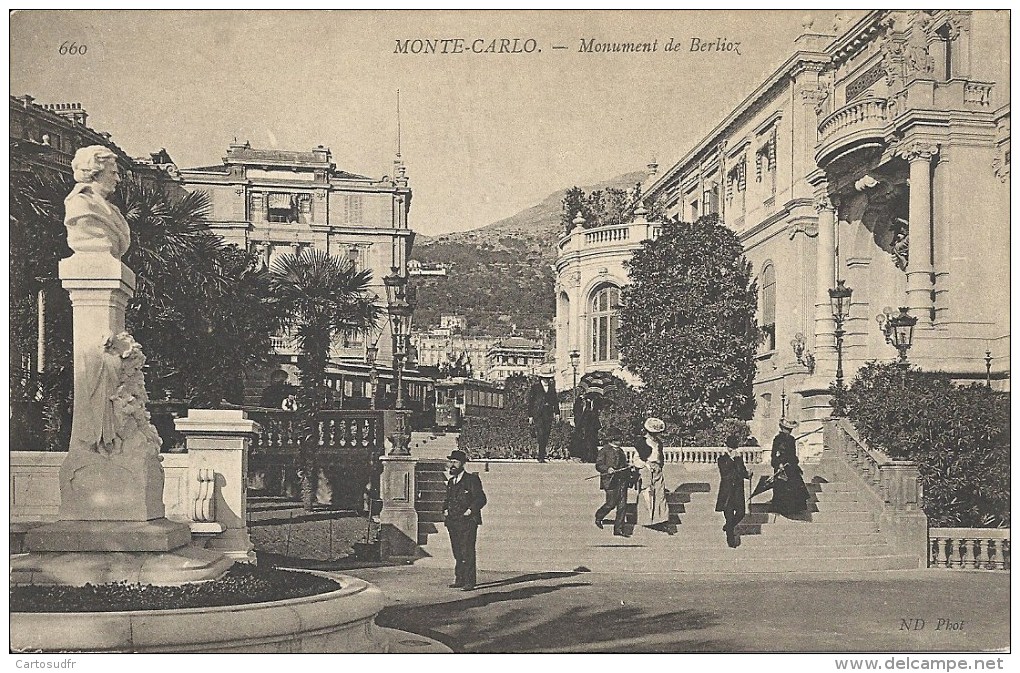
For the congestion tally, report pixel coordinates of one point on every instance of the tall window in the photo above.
(353, 209)
(282, 208)
(605, 306)
(768, 306)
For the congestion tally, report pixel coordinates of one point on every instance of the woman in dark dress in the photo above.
(789, 494)
(585, 439)
(732, 473)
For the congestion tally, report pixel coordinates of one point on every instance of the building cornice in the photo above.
(854, 39)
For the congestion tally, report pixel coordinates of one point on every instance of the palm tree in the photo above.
(324, 298)
(202, 309)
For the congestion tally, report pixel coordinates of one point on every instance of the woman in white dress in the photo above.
(654, 511)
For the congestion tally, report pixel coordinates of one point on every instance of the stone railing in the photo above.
(608, 236)
(704, 455)
(977, 93)
(280, 432)
(891, 487)
(863, 113)
(205, 486)
(975, 548)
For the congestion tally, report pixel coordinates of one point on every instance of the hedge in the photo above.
(958, 436)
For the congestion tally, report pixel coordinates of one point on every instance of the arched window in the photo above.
(605, 305)
(768, 305)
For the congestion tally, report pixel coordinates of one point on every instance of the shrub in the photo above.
(725, 429)
(508, 433)
(958, 436)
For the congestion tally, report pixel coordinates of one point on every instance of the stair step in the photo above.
(599, 563)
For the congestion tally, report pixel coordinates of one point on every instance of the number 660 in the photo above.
(72, 49)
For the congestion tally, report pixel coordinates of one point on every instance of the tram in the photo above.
(459, 397)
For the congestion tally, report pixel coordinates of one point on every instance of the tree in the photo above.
(687, 325)
(201, 310)
(599, 208)
(324, 298)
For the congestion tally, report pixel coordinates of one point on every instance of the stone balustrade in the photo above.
(977, 93)
(891, 488)
(865, 111)
(609, 236)
(974, 548)
(280, 431)
(704, 455)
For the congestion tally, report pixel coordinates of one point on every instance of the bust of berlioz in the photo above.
(93, 223)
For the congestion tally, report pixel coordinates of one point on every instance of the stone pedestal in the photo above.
(398, 530)
(217, 442)
(112, 523)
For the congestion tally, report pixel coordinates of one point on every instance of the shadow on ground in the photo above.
(553, 614)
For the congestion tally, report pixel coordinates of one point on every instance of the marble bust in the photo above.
(93, 223)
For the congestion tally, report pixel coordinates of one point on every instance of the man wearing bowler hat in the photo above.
(462, 511)
(543, 407)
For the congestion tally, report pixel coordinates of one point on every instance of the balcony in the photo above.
(856, 124)
(609, 237)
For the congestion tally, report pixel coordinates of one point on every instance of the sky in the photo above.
(483, 135)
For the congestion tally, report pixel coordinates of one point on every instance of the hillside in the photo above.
(501, 274)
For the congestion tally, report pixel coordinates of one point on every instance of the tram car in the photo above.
(459, 398)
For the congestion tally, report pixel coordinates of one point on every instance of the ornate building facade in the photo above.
(274, 202)
(877, 155)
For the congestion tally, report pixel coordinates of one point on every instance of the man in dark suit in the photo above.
(615, 479)
(730, 501)
(462, 511)
(543, 407)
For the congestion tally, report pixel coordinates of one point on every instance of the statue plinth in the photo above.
(113, 524)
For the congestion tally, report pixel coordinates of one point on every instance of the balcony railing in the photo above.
(609, 236)
(868, 114)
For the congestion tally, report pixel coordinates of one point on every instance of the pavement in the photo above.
(581, 612)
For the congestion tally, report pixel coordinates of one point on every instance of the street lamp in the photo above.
(899, 331)
(575, 359)
(371, 353)
(400, 311)
(839, 297)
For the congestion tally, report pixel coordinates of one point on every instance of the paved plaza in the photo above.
(635, 612)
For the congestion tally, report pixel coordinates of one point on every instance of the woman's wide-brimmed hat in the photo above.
(787, 424)
(655, 425)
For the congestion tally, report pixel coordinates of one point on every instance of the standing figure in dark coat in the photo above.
(732, 473)
(615, 477)
(789, 494)
(585, 439)
(462, 511)
(543, 407)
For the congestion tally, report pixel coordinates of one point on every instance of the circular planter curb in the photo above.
(337, 621)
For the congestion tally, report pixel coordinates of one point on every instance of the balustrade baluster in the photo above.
(944, 559)
(995, 555)
(975, 553)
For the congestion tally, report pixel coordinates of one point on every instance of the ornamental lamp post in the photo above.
(902, 332)
(399, 311)
(371, 353)
(575, 359)
(839, 297)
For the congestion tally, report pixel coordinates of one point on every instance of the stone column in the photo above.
(919, 266)
(398, 520)
(217, 442)
(825, 272)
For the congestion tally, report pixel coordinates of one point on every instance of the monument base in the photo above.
(170, 568)
(158, 535)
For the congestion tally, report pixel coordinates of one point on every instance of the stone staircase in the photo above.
(541, 517)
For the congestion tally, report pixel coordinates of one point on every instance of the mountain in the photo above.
(540, 222)
(500, 275)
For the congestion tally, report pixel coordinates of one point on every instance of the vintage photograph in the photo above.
(514, 332)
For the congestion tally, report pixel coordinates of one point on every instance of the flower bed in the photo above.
(242, 584)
